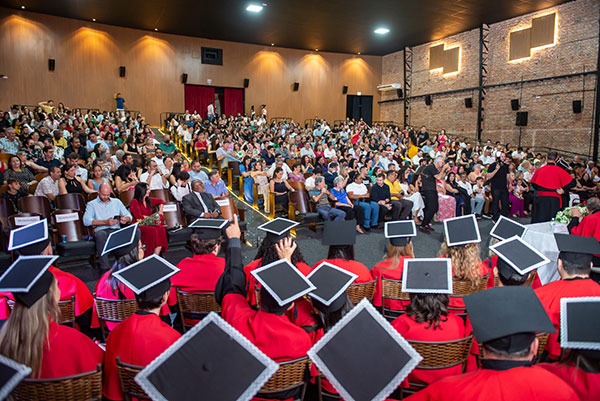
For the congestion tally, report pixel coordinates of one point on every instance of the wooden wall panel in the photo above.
(520, 44)
(451, 60)
(542, 30)
(436, 57)
(88, 56)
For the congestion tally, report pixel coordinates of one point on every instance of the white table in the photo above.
(541, 237)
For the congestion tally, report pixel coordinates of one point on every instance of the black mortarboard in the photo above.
(507, 317)
(401, 232)
(357, 366)
(576, 248)
(278, 229)
(211, 361)
(120, 238)
(579, 323)
(427, 276)
(331, 283)
(207, 233)
(519, 255)
(283, 281)
(506, 228)
(147, 278)
(462, 230)
(31, 239)
(339, 233)
(11, 374)
(28, 278)
(208, 223)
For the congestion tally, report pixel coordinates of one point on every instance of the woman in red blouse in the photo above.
(154, 237)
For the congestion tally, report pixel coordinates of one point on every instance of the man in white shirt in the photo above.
(48, 186)
(329, 152)
(279, 162)
(307, 151)
(487, 157)
(158, 158)
(518, 154)
(386, 161)
(210, 112)
(417, 158)
(154, 177)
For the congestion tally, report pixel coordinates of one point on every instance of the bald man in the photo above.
(105, 215)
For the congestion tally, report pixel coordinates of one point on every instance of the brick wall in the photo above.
(552, 122)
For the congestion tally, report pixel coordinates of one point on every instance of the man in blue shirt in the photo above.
(106, 215)
(215, 185)
(196, 173)
(120, 104)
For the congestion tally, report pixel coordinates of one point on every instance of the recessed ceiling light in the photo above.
(156, 29)
(22, 7)
(381, 31)
(358, 53)
(272, 44)
(94, 19)
(254, 8)
(316, 50)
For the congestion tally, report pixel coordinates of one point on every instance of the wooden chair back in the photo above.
(392, 290)
(173, 218)
(297, 185)
(22, 219)
(114, 310)
(3, 188)
(32, 187)
(67, 312)
(234, 167)
(81, 387)
(227, 211)
(69, 222)
(443, 354)
(300, 201)
(163, 194)
(126, 197)
(195, 305)
(36, 204)
(5, 157)
(356, 292)
(73, 201)
(461, 288)
(129, 386)
(40, 176)
(7, 208)
(91, 196)
(289, 376)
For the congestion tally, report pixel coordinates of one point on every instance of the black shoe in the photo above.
(424, 230)
(366, 229)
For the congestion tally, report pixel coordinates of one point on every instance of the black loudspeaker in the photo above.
(122, 71)
(514, 104)
(428, 100)
(399, 93)
(51, 64)
(345, 89)
(468, 103)
(246, 82)
(296, 86)
(577, 106)
(184, 78)
(522, 118)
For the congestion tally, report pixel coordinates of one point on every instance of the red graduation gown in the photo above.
(364, 275)
(70, 286)
(451, 329)
(138, 340)
(586, 385)
(516, 384)
(68, 352)
(547, 201)
(589, 226)
(550, 295)
(393, 271)
(198, 273)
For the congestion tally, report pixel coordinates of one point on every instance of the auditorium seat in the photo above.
(73, 201)
(177, 231)
(69, 223)
(36, 204)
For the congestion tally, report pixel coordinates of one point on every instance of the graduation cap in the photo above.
(147, 278)
(31, 239)
(211, 361)
(11, 374)
(278, 229)
(506, 228)
(427, 276)
(576, 248)
(207, 233)
(208, 223)
(400, 232)
(125, 237)
(507, 317)
(462, 230)
(358, 367)
(283, 281)
(331, 283)
(579, 326)
(339, 233)
(28, 278)
(518, 255)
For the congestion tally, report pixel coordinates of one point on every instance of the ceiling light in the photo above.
(272, 44)
(254, 8)
(94, 19)
(316, 50)
(358, 53)
(381, 31)
(156, 29)
(22, 7)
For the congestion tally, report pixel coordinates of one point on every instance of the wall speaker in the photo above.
(514, 104)
(296, 86)
(469, 103)
(428, 100)
(246, 82)
(399, 93)
(522, 118)
(51, 64)
(345, 89)
(184, 78)
(577, 106)
(122, 71)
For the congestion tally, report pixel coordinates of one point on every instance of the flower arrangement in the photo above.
(152, 220)
(564, 216)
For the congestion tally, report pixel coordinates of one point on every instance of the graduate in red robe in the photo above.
(505, 320)
(398, 249)
(550, 183)
(268, 328)
(140, 338)
(589, 226)
(574, 266)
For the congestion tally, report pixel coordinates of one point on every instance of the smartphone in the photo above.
(117, 217)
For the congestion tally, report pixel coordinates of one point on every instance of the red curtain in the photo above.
(234, 101)
(198, 98)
